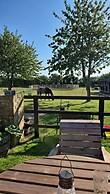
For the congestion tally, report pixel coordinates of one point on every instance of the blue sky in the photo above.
(33, 19)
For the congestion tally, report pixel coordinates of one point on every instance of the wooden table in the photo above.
(40, 176)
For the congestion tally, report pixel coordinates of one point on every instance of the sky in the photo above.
(34, 19)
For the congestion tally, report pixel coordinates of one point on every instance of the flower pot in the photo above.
(14, 140)
(4, 145)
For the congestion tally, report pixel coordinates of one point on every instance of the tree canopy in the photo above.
(18, 59)
(82, 44)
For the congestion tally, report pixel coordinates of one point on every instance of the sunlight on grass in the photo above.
(34, 148)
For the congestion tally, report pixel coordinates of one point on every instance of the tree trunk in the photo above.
(87, 85)
(86, 80)
(9, 84)
(88, 93)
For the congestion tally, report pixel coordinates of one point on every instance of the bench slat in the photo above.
(80, 137)
(73, 130)
(81, 151)
(80, 144)
(92, 138)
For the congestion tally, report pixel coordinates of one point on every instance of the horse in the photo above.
(44, 90)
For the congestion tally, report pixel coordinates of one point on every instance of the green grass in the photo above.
(106, 144)
(35, 148)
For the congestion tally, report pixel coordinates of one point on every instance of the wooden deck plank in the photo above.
(20, 175)
(76, 158)
(84, 163)
(32, 178)
(41, 175)
(18, 188)
(55, 169)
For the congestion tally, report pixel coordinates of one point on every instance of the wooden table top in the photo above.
(40, 176)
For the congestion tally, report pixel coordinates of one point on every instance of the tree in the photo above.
(43, 79)
(54, 79)
(104, 76)
(68, 79)
(18, 59)
(82, 44)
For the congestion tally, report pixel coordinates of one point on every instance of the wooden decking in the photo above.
(40, 176)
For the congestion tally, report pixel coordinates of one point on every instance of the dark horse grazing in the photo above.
(44, 90)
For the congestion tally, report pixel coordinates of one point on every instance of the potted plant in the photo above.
(4, 143)
(15, 134)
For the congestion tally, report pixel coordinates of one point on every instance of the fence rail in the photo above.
(100, 113)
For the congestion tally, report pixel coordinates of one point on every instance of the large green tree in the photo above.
(18, 59)
(82, 44)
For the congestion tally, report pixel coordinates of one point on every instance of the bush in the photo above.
(12, 129)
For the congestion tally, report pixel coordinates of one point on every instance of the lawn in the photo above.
(35, 148)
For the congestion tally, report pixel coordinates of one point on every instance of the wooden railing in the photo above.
(36, 111)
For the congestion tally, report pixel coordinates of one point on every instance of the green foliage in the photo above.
(18, 59)
(58, 79)
(104, 76)
(82, 44)
(12, 129)
(106, 143)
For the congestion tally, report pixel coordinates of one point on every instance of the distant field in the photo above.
(75, 105)
(78, 91)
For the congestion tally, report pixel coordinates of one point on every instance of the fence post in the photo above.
(101, 114)
(36, 128)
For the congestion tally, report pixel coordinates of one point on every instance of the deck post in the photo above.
(36, 128)
(101, 114)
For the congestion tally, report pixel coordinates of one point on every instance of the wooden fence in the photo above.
(36, 111)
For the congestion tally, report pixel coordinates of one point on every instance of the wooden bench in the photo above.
(80, 137)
